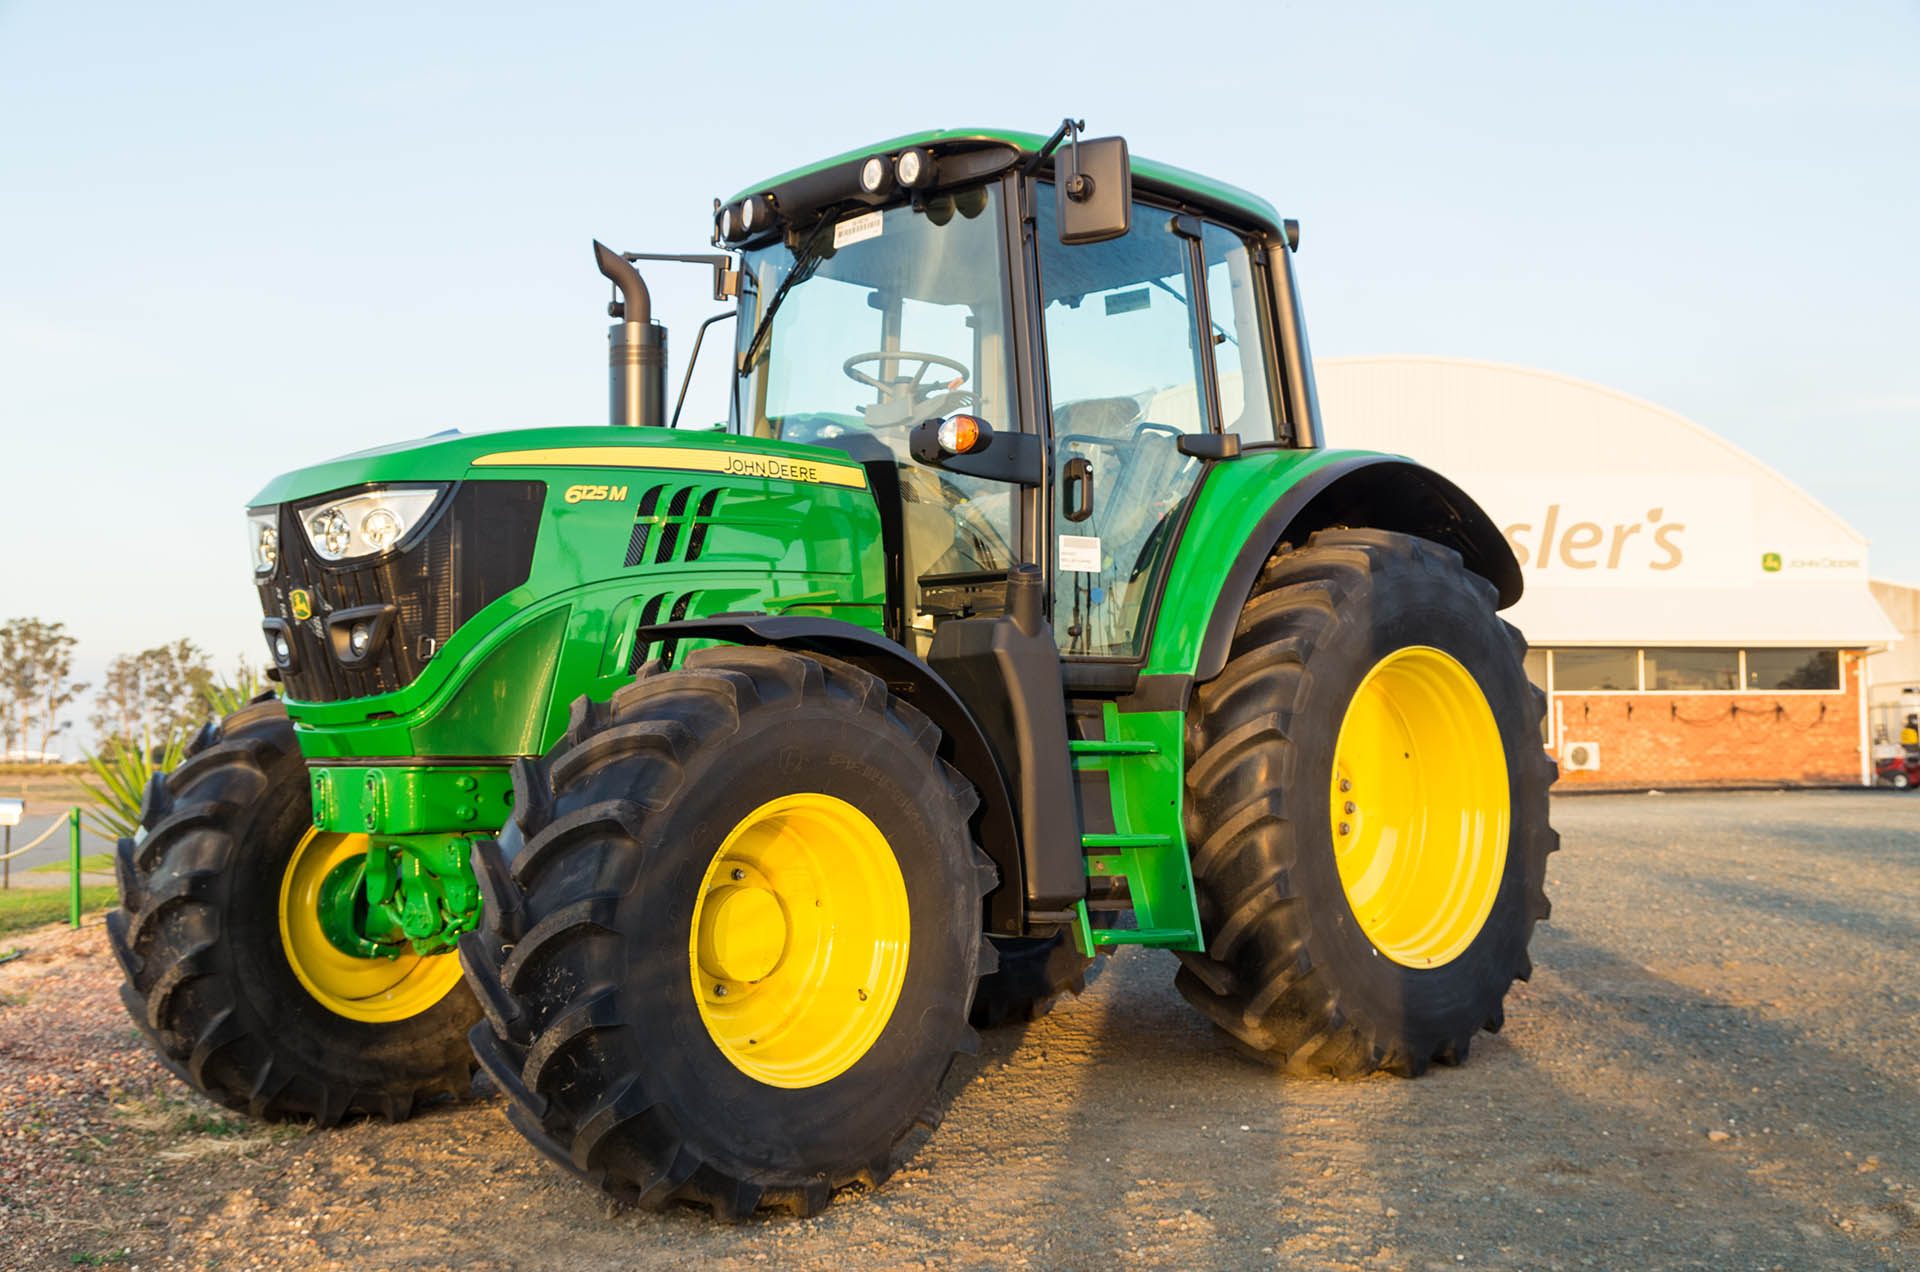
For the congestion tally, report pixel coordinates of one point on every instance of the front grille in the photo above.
(478, 548)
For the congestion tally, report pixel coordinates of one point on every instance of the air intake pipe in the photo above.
(636, 348)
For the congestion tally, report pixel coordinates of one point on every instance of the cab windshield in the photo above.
(895, 317)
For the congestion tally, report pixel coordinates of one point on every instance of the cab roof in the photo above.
(1159, 178)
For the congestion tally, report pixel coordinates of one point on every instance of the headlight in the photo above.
(915, 168)
(263, 536)
(366, 522)
(876, 175)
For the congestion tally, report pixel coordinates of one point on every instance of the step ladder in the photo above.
(1147, 847)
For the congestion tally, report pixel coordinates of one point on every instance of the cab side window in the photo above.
(1239, 337)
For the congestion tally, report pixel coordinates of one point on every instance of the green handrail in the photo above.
(73, 859)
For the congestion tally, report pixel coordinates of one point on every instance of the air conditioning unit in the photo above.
(1576, 757)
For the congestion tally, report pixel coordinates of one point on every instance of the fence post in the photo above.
(73, 856)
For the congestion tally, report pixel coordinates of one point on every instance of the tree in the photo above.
(154, 696)
(36, 680)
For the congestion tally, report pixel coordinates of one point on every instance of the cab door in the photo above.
(1129, 371)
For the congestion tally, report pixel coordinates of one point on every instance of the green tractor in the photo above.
(709, 787)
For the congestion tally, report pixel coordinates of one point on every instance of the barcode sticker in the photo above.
(856, 229)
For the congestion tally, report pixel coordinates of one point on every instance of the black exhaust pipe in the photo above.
(636, 348)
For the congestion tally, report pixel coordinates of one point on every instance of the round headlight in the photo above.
(330, 533)
(876, 175)
(756, 214)
(381, 529)
(361, 637)
(267, 550)
(281, 649)
(915, 168)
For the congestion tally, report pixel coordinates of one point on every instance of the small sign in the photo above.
(856, 229)
(1080, 554)
(11, 811)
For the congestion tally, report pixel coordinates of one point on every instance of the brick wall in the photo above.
(1717, 739)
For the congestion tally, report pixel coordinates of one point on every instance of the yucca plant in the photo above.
(117, 779)
(228, 696)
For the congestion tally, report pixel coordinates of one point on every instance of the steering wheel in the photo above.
(914, 386)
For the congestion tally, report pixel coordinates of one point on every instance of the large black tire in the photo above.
(584, 965)
(1288, 970)
(198, 938)
(1034, 971)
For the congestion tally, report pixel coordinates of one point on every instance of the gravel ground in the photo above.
(1713, 1067)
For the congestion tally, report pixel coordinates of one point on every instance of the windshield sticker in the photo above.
(856, 229)
(1128, 301)
(1080, 554)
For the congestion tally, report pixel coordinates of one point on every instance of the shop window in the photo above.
(1693, 670)
(1794, 669)
(1593, 670)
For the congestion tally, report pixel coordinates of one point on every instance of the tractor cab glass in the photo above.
(1127, 368)
(1150, 336)
(889, 319)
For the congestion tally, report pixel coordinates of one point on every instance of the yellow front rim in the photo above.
(1419, 806)
(798, 943)
(371, 989)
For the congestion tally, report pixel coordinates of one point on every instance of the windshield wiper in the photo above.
(804, 263)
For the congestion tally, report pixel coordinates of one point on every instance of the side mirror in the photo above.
(1094, 188)
(968, 445)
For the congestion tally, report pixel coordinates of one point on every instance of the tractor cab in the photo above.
(1086, 355)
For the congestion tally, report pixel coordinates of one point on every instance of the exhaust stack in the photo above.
(636, 348)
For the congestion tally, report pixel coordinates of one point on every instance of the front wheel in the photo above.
(1368, 807)
(731, 935)
(228, 971)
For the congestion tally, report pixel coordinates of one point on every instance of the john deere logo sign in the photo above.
(303, 604)
(1770, 562)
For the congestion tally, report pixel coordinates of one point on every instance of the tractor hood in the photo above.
(454, 456)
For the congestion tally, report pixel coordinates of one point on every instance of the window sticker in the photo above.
(1079, 554)
(856, 229)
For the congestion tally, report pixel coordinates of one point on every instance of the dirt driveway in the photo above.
(1714, 1066)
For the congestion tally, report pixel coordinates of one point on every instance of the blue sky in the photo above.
(235, 239)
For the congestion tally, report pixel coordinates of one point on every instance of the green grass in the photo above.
(30, 907)
(92, 863)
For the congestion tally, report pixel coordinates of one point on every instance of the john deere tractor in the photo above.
(707, 787)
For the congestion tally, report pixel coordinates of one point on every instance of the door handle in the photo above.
(1076, 495)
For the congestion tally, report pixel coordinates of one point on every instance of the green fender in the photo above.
(1247, 506)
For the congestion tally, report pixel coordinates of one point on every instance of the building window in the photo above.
(1817, 669)
(1595, 670)
(1692, 670)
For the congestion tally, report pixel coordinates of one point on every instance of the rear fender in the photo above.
(1381, 492)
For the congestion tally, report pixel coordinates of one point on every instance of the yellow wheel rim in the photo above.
(370, 989)
(799, 940)
(1419, 806)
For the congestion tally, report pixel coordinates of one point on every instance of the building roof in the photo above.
(1633, 524)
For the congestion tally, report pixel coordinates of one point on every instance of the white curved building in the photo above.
(1696, 617)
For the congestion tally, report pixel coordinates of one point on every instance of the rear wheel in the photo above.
(732, 935)
(1368, 806)
(227, 970)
